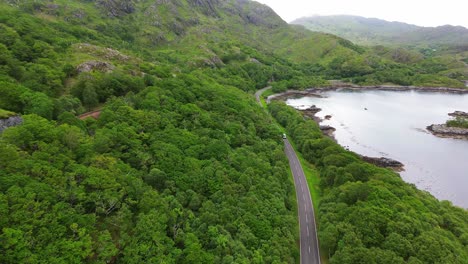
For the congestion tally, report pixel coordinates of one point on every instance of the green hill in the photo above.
(373, 31)
(182, 165)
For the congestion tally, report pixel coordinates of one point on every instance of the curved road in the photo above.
(308, 231)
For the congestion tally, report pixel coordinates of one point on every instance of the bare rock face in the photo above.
(9, 122)
(116, 8)
(208, 7)
(100, 52)
(95, 65)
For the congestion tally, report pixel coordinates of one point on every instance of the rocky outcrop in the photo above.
(449, 132)
(9, 122)
(95, 66)
(459, 114)
(116, 8)
(311, 111)
(384, 162)
(100, 52)
(328, 131)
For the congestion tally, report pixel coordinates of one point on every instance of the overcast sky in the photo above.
(418, 12)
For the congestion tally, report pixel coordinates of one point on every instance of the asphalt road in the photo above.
(308, 231)
(259, 93)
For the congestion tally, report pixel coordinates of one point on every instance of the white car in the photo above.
(284, 136)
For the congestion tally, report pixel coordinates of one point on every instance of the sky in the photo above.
(428, 13)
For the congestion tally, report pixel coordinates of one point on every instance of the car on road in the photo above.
(284, 136)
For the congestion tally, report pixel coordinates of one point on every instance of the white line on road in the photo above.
(302, 188)
(308, 231)
(309, 249)
(307, 219)
(305, 208)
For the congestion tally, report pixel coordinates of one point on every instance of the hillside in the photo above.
(182, 166)
(373, 31)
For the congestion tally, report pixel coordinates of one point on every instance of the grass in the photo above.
(6, 114)
(458, 122)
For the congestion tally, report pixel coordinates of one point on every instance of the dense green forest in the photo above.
(370, 215)
(182, 165)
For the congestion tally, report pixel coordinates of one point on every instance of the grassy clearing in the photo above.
(6, 114)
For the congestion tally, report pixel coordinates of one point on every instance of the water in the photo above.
(394, 126)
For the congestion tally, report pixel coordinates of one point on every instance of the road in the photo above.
(307, 227)
(308, 230)
(259, 93)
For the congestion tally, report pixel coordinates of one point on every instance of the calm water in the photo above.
(394, 126)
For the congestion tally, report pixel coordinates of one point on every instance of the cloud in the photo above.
(419, 12)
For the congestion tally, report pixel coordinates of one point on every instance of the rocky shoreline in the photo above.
(384, 163)
(329, 130)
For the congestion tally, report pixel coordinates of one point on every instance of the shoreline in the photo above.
(392, 88)
(328, 131)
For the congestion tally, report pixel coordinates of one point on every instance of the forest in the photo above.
(182, 165)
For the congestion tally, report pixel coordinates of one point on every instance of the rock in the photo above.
(327, 128)
(384, 162)
(100, 52)
(253, 60)
(95, 65)
(311, 110)
(328, 117)
(459, 114)
(116, 8)
(9, 122)
(451, 132)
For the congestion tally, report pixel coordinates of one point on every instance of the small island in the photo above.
(453, 128)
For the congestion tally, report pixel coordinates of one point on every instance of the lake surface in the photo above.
(394, 126)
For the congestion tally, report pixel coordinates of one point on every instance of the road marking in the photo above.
(305, 208)
(302, 188)
(309, 249)
(307, 219)
(308, 231)
(303, 196)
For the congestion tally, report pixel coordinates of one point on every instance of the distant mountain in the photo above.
(373, 31)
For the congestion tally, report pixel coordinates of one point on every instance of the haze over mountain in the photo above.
(373, 31)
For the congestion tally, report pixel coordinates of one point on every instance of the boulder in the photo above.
(95, 65)
(9, 122)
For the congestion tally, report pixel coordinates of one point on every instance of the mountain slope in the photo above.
(373, 31)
